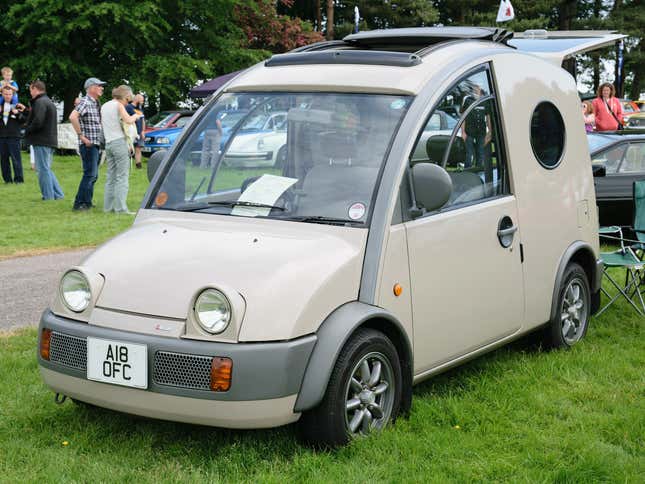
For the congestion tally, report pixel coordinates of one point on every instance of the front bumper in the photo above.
(266, 377)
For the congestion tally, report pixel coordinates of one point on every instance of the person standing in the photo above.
(41, 132)
(607, 110)
(587, 115)
(117, 151)
(12, 120)
(86, 120)
(136, 107)
(477, 131)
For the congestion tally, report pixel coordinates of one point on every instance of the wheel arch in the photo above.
(583, 254)
(332, 336)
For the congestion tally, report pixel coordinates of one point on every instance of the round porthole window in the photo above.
(547, 134)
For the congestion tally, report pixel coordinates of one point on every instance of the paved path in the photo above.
(28, 284)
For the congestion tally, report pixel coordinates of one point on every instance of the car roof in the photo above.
(600, 141)
(400, 61)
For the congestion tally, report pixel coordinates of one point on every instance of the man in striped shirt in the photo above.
(86, 120)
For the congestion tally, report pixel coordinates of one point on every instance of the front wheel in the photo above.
(363, 394)
(571, 320)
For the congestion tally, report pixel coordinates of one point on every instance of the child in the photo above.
(587, 114)
(7, 74)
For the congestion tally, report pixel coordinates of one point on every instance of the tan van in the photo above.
(322, 284)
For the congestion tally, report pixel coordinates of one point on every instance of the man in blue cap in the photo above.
(86, 120)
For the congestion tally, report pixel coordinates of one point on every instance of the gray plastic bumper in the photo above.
(260, 371)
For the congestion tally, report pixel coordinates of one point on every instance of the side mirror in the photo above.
(154, 162)
(432, 185)
(599, 170)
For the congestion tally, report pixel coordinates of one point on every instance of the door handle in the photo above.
(506, 231)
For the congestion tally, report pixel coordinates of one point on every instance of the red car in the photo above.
(168, 119)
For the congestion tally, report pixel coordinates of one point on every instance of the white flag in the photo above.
(505, 12)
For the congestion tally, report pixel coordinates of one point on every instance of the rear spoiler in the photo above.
(556, 47)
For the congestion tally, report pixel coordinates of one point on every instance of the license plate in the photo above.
(117, 362)
(146, 149)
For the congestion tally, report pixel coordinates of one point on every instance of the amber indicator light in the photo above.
(221, 370)
(161, 199)
(397, 289)
(45, 343)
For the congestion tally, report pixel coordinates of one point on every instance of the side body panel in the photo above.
(556, 206)
(467, 290)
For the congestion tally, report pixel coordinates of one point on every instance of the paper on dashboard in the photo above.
(266, 190)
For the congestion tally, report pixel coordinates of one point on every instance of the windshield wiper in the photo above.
(235, 203)
(192, 207)
(321, 219)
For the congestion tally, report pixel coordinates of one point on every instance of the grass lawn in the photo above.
(30, 225)
(516, 415)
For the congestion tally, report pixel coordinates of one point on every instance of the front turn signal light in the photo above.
(45, 343)
(221, 371)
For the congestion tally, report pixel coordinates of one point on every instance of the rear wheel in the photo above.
(363, 394)
(571, 320)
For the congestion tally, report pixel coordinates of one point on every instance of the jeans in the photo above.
(476, 148)
(49, 187)
(10, 148)
(90, 158)
(117, 159)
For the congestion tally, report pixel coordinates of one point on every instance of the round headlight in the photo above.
(75, 291)
(213, 311)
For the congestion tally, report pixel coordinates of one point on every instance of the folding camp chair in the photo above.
(639, 218)
(625, 258)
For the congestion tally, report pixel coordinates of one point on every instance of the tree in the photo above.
(162, 47)
(266, 29)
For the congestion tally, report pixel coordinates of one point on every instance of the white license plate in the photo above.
(146, 149)
(117, 362)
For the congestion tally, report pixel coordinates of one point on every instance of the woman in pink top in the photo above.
(607, 109)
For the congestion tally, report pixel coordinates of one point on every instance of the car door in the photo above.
(623, 165)
(465, 265)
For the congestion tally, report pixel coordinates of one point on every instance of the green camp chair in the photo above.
(623, 258)
(639, 217)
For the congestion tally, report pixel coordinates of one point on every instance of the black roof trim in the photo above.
(365, 57)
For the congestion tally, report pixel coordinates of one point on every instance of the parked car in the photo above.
(636, 121)
(261, 142)
(622, 155)
(163, 138)
(168, 119)
(629, 108)
(322, 292)
(441, 123)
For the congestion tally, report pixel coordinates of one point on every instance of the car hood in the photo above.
(291, 275)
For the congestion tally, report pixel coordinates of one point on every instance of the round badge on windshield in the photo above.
(356, 211)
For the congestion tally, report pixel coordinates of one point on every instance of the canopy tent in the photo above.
(209, 87)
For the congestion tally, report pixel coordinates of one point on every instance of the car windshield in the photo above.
(160, 120)
(316, 159)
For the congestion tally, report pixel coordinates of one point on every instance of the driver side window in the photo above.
(468, 147)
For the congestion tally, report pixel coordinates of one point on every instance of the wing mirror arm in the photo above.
(413, 209)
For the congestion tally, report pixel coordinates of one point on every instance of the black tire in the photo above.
(328, 425)
(574, 300)
(281, 157)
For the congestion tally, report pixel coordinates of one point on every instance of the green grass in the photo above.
(518, 415)
(30, 224)
(33, 225)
